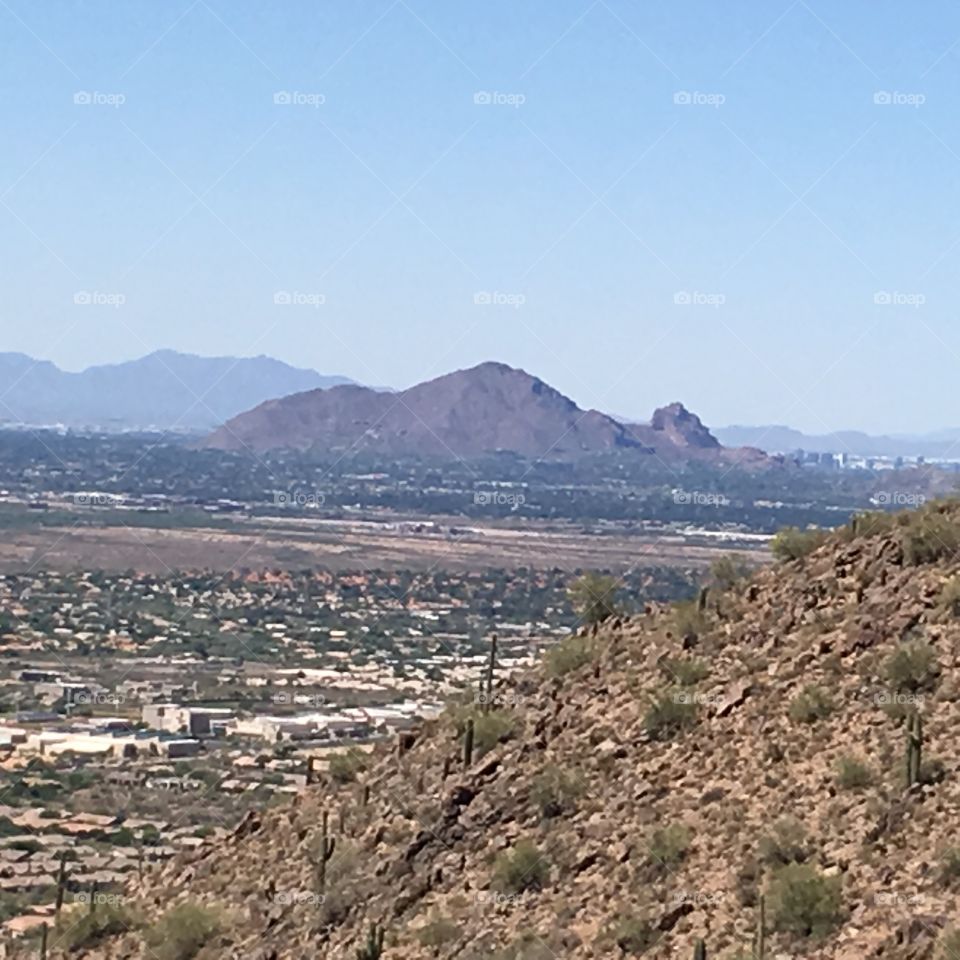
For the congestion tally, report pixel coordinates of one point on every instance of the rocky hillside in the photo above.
(734, 769)
(468, 413)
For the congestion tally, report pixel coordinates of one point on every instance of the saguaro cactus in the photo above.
(61, 883)
(468, 743)
(700, 951)
(373, 948)
(323, 854)
(491, 667)
(43, 942)
(702, 599)
(914, 748)
(760, 947)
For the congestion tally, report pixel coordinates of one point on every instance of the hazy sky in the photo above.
(750, 206)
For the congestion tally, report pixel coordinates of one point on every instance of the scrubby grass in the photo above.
(634, 934)
(183, 931)
(555, 791)
(727, 571)
(688, 618)
(853, 774)
(569, 655)
(813, 703)
(669, 713)
(948, 603)
(950, 866)
(522, 868)
(594, 597)
(686, 673)
(668, 846)
(931, 534)
(786, 843)
(490, 728)
(804, 902)
(913, 667)
(792, 543)
(346, 766)
(78, 929)
(437, 933)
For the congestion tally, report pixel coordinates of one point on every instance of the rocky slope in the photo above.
(646, 787)
(488, 408)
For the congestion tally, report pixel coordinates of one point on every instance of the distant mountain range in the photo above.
(488, 408)
(165, 390)
(779, 439)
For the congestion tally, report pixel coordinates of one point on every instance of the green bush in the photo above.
(345, 766)
(948, 946)
(728, 570)
(913, 667)
(634, 934)
(853, 774)
(792, 543)
(949, 600)
(688, 618)
(930, 536)
(555, 792)
(519, 869)
(811, 704)
(786, 843)
(686, 673)
(804, 902)
(78, 929)
(950, 866)
(668, 846)
(569, 655)
(669, 713)
(182, 932)
(438, 933)
(489, 729)
(593, 597)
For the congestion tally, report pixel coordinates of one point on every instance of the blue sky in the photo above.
(753, 207)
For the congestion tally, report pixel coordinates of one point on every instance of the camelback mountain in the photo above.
(770, 770)
(468, 413)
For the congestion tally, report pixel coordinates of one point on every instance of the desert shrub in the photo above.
(519, 869)
(949, 599)
(792, 543)
(555, 791)
(728, 570)
(811, 704)
(437, 933)
(950, 865)
(688, 618)
(569, 655)
(871, 523)
(668, 846)
(948, 945)
(78, 929)
(684, 672)
(489, 729)
(669, 713)
(913, 667)
(929, 536)
(344, 767)
(182, 932)
(804, 902)
(634, 934)
(853, 774)
(593, 597)
(786, 843)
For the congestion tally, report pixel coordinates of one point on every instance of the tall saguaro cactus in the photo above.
(468, 743)
(373, 948)
(324, 853)
(491, 667)
(914, 748)
(700, 951)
